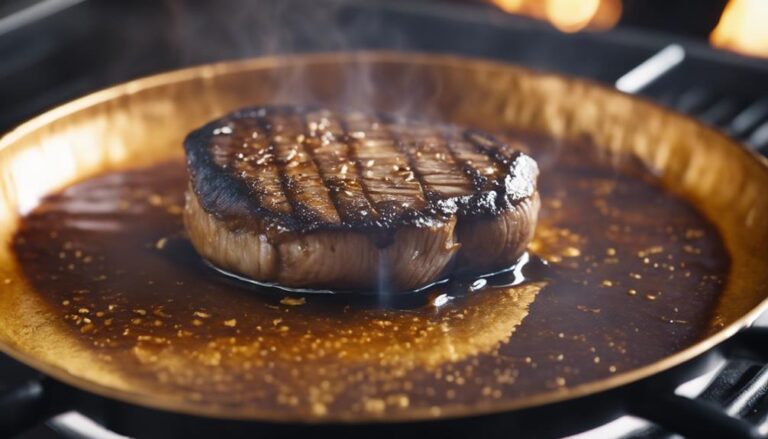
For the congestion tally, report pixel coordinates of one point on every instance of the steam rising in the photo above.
(245, 29)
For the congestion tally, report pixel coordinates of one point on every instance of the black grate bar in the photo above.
(694, 100)
(744, 121)
(667, 98)
(750, 118)
(734, 376)
(694, 418)
(759, 416)
(740, 119)
(750, 395)
(759, 139)
(650, 70)
(36, 12)
(734, 404)
(721, 112)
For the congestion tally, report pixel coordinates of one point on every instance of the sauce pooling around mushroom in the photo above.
(620, 274)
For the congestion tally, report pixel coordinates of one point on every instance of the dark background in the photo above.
(100, 42)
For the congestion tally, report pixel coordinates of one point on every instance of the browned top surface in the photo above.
(304, 169)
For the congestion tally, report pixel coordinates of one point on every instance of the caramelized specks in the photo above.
(293, 301)
(164, 320)
(303, 176)
(337, 166)
(571, 252)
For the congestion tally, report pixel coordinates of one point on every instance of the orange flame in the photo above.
(743, 28)
(567, 15)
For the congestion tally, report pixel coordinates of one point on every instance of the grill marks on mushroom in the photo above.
(311, 198)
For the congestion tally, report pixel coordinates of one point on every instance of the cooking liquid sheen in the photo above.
(620, 274)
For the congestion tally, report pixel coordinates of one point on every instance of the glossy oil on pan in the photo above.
(143, 122)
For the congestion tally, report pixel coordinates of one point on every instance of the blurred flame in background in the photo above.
(743, 28)
(567, 15)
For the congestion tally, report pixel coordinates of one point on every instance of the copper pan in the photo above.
(144, 121)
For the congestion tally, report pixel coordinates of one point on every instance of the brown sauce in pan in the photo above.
(624, 275)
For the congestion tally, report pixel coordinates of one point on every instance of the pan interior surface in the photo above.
(492, 352)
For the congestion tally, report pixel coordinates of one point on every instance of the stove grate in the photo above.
(733, 405)
(745, 120)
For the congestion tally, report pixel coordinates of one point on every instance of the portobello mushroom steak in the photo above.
(310, 198)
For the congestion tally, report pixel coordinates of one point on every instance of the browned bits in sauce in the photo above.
(140, 296)
(293, 301)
